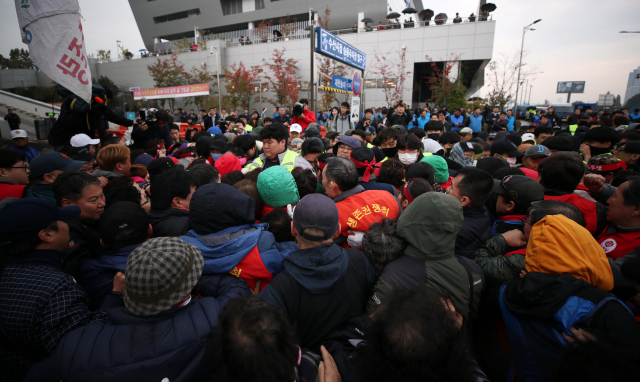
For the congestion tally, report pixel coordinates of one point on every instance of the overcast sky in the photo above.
(575, 41)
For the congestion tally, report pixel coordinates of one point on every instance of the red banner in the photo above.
(172, 92)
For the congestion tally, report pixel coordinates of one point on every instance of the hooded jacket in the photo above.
(558, 245)
(475, 230)
(169, 222)
(169, 345)
(321, 289)
(429, 256)
(229, 239)
(340, 123)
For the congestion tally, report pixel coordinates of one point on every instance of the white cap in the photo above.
(295, 128)
(82, 140)
(18, 134)
(528, 137)
(431, 146)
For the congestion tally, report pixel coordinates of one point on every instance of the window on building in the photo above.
(176, 16)
(304, 85)
(259, 4)
(369, 84)
(231, 7)
(392, 82)
(380, 83)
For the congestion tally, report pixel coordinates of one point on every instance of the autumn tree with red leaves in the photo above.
(444, 91)
(281, 74)
(391, 67)
(240, 85)
(167, 73)
(201, 76)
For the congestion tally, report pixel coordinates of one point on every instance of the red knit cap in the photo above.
(227, 163)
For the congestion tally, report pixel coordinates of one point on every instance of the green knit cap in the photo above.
(277, 187)
(439, 165)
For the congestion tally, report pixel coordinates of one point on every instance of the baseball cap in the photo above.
(316, 211)
(311, 132)
(29, 216)
(51, 161)
(81, 154)
(158, 166)
(528, 137)
(18, 134)
(505, 146)
(520, 188)
(123, 223)
(603, 163)
(160, 273)
(81, 140)
(370, 130)
(352, 142)
(295, 128)
(465, 131)
(536, 151)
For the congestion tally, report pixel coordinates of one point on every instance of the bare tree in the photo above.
(391, 67)
(502, 77)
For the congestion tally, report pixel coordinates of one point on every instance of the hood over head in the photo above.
(318, 269)
(433, 234)
(558, 245)
(218, 206)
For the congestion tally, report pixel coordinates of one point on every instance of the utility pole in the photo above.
(312, 61)
(524, 30)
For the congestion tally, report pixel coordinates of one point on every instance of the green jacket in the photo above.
(43, 191)
(429, 258)
(496, 267)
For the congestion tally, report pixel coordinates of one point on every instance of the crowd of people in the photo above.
(429, 244)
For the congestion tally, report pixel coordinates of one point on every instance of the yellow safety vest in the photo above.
(573, 128)
(248, 128)
(288, 161)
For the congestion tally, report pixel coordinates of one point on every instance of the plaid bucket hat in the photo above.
(159, 274)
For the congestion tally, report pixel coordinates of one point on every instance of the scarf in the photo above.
(458, 155)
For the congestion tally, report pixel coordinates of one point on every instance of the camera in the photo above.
(297, 109)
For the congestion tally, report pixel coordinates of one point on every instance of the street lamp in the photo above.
(629, 31)
(524, 30)
(312, 61)
(218, 75)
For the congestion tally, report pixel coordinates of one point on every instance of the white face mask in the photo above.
(511, 161)
(408, 159)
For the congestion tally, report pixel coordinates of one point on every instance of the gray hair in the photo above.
(540, 209)
(342, 171)
(381, 244)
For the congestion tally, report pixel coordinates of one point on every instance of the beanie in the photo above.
(277, 187)
(439, 165)
(227, 163)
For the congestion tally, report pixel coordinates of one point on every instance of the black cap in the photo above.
(505, 146)
(520, 188)
(316, 211)
(29, 216)
(158, 166)
(51, 161)
(491, 164)
(434, 125)
(123, 222)
(218, 144)
(232, 208)
(310, 132)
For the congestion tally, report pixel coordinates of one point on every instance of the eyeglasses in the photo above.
(525, 220)
(25, 167)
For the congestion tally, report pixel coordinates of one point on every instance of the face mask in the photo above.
(216, 156)
(433, 136)
(599, 150)
(511, 161)
(390, 152)
(408, 159)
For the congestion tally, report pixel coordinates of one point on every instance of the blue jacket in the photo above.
(226, 251)
(475, 230)
(39, 304)
(422, 122)
(459, 119)
(28, 152)
(96, 276)
(135, 348)
(475, 123)
(511, 124)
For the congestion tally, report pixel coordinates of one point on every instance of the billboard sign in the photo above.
(330, 45)
(341, 83)
(172, 92)
(570, 87)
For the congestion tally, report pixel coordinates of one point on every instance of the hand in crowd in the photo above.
(118, 282)
(585, 150)
(328, 370)
(451, 309)
(256, 291)
(143, 126)
(355, 239)
(103, 180)
(580, 335)
(594, 182)
(514, 238)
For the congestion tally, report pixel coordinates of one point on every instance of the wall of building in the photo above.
(633, 85)
(468, 41)
(16, 78)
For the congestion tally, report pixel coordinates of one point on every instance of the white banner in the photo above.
(53, 31)
(355, 109)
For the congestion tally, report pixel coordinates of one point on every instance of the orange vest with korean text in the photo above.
(359, 211)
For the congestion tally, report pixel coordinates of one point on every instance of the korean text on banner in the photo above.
(334, 47)
(172, 92)
(53, 31)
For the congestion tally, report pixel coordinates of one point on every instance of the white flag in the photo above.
(53, 31)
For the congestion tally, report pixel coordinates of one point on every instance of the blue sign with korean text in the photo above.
(330, 45)
(341, 83)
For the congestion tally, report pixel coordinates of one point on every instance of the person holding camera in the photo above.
(302, 115)
(146, 131)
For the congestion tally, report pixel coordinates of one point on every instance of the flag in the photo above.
(53, 31)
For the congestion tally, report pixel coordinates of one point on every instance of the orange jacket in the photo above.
(359, 211)
(558, 245)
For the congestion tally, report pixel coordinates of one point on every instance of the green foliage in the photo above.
(240, 85)
(18, 59)
(45, 94)
(104, 55)
(107, 83)
(167, 73)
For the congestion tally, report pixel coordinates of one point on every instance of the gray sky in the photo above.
(575, 41)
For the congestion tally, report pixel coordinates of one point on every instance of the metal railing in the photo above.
(407, 25)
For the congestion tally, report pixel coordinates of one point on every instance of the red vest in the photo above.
(359, 211)
(617, 245)
(533, 174)
(587, 207)
(11, 191)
